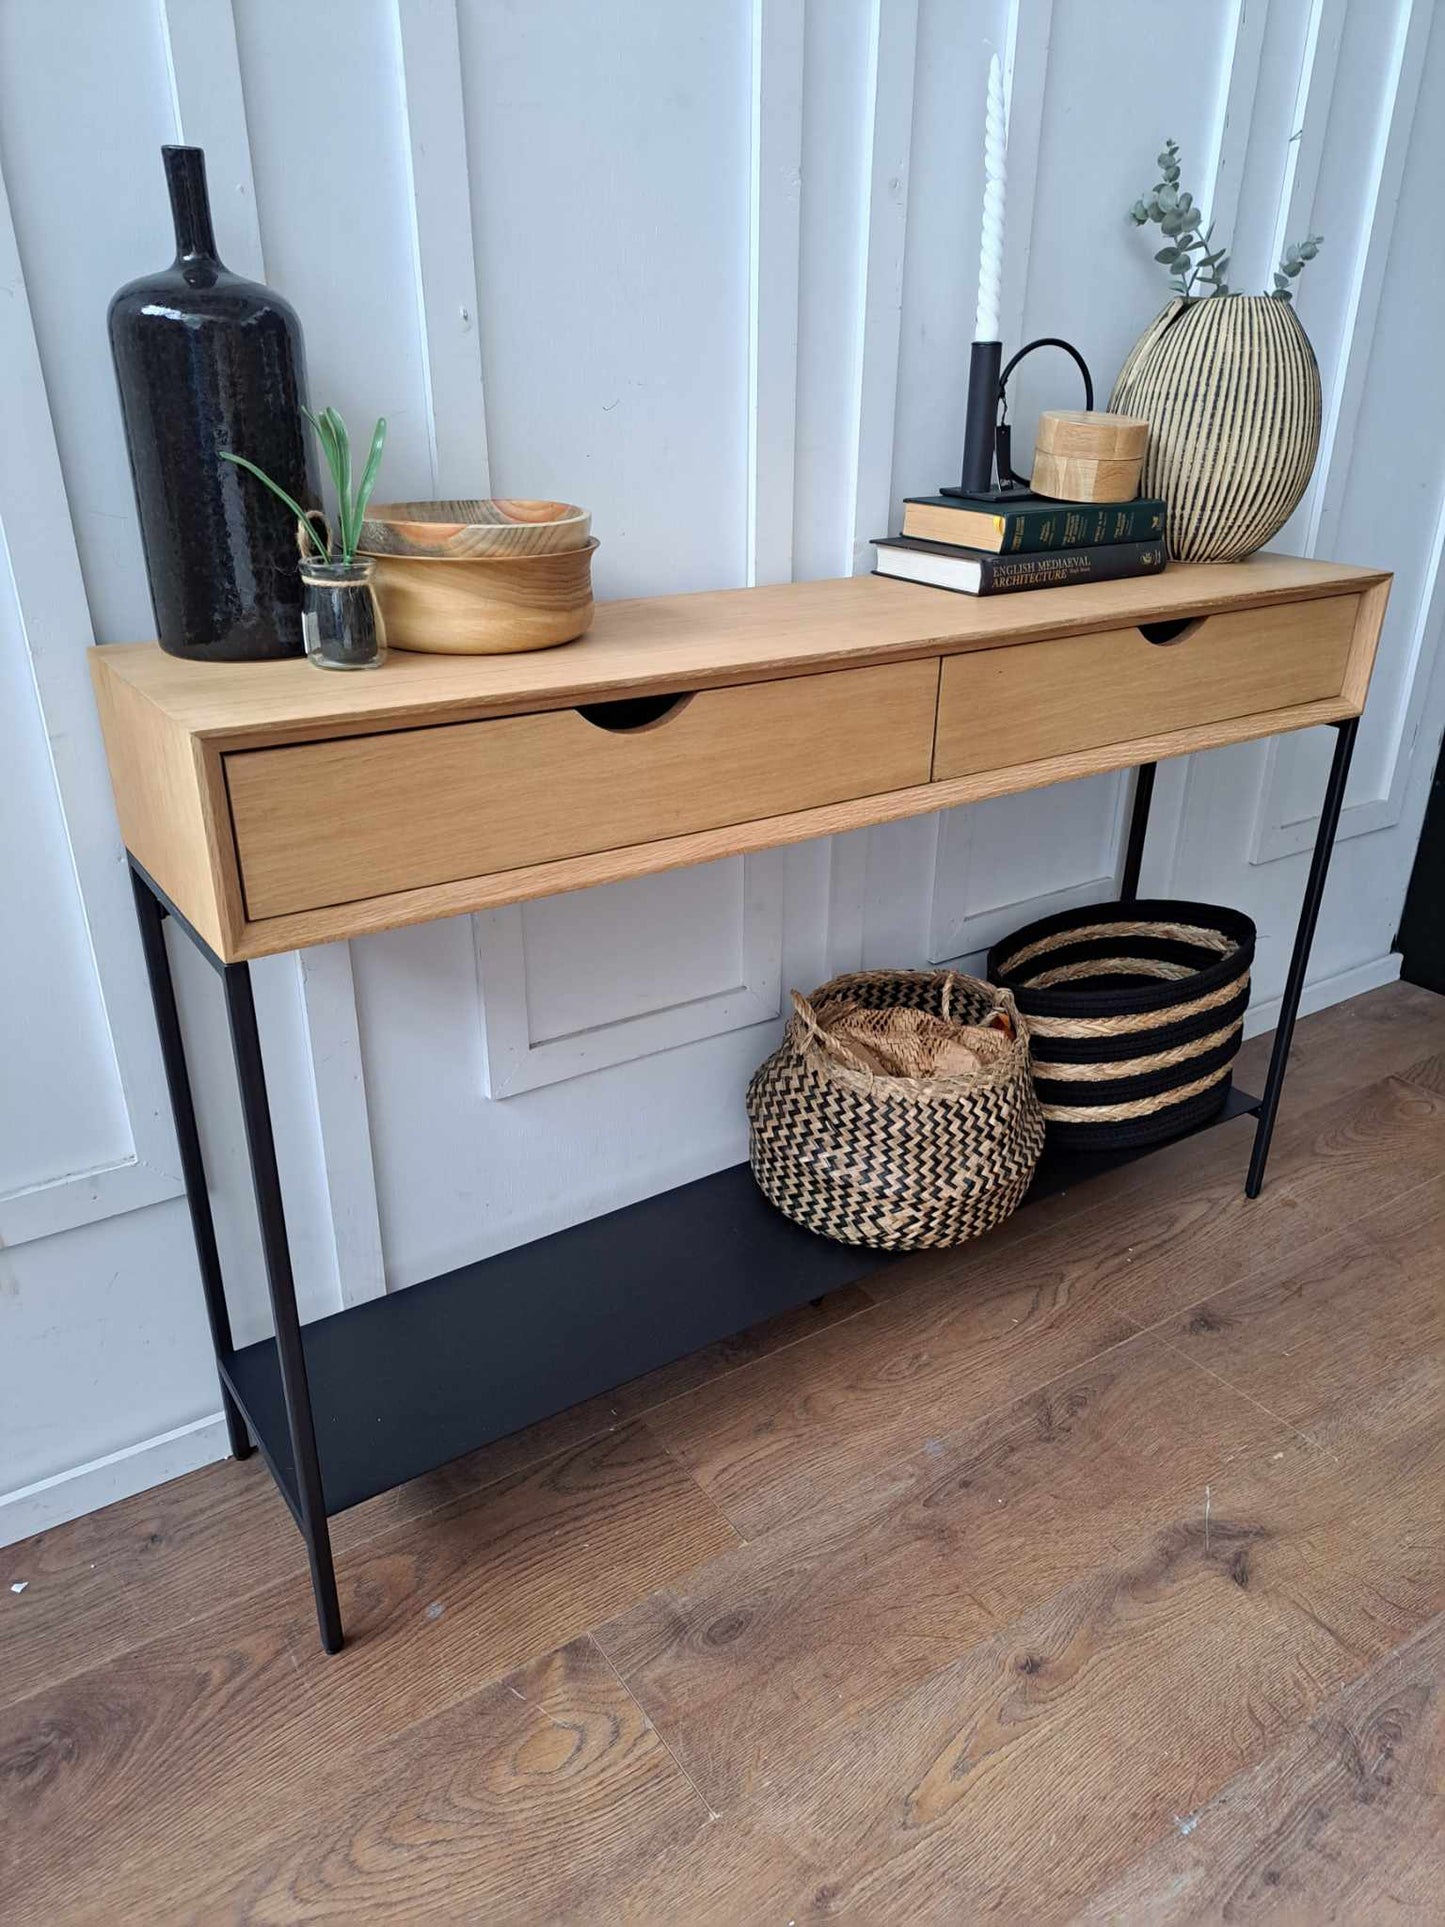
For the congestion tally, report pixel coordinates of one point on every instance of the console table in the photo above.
(269, 806)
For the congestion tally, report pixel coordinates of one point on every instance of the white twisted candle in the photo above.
(990, 255)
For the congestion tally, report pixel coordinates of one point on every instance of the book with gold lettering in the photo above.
(945, 565)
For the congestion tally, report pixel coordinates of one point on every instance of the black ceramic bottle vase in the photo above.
(207, 361)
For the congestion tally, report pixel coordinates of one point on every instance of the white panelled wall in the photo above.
(710, 270)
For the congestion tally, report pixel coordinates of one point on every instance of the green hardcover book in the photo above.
(1033, 525)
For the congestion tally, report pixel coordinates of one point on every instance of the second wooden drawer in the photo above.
(999, 708)
(333, 822)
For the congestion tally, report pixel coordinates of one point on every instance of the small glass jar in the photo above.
(340, 615)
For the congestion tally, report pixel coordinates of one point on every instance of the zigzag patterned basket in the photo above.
(898, 1163)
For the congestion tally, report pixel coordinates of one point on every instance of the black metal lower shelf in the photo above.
(402, 1384)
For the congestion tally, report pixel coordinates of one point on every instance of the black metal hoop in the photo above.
(1006, 470)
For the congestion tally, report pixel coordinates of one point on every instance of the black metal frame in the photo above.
(309, 1510)
(304, 1491)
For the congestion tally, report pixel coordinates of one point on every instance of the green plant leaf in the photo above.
(345, 505)
(368, 474)
(328, 444)
(303, 516)
(1168, 256)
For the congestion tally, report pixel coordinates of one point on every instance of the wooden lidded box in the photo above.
(1087, 456)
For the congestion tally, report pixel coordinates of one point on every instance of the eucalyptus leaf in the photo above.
(1193, 262)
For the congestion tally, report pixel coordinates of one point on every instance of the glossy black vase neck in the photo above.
(190, 205)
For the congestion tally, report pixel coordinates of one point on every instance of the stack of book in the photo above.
(979, 549)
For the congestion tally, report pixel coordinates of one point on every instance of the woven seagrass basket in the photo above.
(898, 1163)
(1137, 1011)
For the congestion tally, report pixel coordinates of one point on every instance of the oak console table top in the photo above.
(268, 806)
(279, 806)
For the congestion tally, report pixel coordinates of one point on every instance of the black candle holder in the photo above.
(987, 436)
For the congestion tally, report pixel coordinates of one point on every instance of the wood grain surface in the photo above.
(268, 935)
(1013, 706)
(436, 791)
(1094, 1572)
(696, 642)
(531, 789)
(1343, 1822)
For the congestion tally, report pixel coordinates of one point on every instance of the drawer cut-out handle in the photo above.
(632, 713)
(1164, 632)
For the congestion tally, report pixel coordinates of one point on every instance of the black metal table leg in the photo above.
(151, 917)
(1138, 830)
(295, 1386)
(1299, 960)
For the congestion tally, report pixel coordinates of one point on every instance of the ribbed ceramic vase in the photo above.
(1231, 390)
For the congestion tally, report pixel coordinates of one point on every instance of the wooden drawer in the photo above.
(333, 822)
(999, 708)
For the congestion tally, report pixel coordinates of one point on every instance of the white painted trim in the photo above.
(429, 73)
(1027, 34)
(119, 1475)
(775, 195)
(1223, 181)
(1321, 992)
(1377, 225)
(892, 53)
(847, 900)
(1319, 63)
(980, 927)
(39, 541)
(515, 1062)
(203, 71)
(1166, 827)
(1274, 837)
(328, 996)
(1242, 44)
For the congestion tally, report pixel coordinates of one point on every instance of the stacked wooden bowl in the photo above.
(481, 578)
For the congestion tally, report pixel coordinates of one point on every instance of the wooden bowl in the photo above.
(457, 531)
(485, 607)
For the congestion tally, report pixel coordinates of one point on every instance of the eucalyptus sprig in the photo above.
(1290, 264)
(351, 503)
(1187, 252)
(1195, 265)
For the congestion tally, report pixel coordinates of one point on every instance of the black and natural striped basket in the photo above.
(1137, 1011)
(899, 1163)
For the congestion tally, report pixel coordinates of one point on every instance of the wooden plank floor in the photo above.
(1094, 1572)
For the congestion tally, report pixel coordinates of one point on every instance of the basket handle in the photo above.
(814, 1033)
